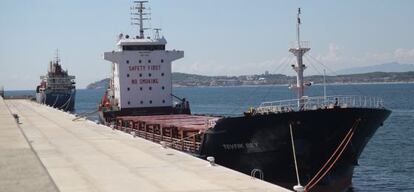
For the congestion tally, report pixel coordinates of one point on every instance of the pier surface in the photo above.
(48, 151)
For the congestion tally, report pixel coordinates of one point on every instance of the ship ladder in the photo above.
(334, 157)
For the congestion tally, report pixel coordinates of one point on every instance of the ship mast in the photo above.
(299, 48)
(138, 14)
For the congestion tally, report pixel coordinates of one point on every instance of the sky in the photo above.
(219, 37)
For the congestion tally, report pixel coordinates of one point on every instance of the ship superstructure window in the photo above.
(142, 47)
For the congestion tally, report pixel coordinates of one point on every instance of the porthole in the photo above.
(150, 101)
(163, 101)
(162, 87)
(149, 61)
(140, 88)
(162, 60)
(150, 88)
(162, 74)
(127, 61)
(140, 75)
(142, 102)
(127, 75)
(129, 102)
(139, 61)
(149, 75)
(128, 89)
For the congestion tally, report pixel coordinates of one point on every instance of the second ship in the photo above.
(311, 141)
(57, 88)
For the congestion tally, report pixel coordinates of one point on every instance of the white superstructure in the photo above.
(141, 69)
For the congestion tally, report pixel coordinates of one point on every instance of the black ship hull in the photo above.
(262, 142)
(62, 101)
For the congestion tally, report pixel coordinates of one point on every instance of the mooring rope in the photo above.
(294, 154)
(337, 154)
(86, 114)
(55, 101)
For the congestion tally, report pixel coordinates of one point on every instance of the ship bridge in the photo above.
(138, 44)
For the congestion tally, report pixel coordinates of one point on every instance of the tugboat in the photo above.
(311, 141)
(57, 88)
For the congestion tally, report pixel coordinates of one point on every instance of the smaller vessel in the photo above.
(57, 88)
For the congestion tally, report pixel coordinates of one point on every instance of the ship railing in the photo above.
(302, 44)
(314, 103)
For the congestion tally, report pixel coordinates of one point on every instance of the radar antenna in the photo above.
(157, 33)
(139, 15)
(57, 58)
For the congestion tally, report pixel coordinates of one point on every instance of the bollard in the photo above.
(211, 159)
(298, 188)
(16, 117)
(163, 144)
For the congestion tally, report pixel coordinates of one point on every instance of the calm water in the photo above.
(387, 163)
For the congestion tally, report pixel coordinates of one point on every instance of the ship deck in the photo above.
(48, 148)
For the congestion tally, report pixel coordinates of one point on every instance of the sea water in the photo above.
(387, 162)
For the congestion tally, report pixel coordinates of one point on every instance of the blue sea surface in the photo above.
(386, 164)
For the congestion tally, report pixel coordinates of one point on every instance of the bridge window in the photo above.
(143, 47)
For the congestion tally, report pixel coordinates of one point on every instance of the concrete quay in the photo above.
(48, 151)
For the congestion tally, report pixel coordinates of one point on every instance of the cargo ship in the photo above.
(308, 143)
(57, 88)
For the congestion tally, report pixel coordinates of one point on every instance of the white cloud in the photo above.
(404, 55)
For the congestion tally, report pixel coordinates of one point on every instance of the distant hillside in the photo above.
(190, 80)
(101, 84)
(386, 67)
